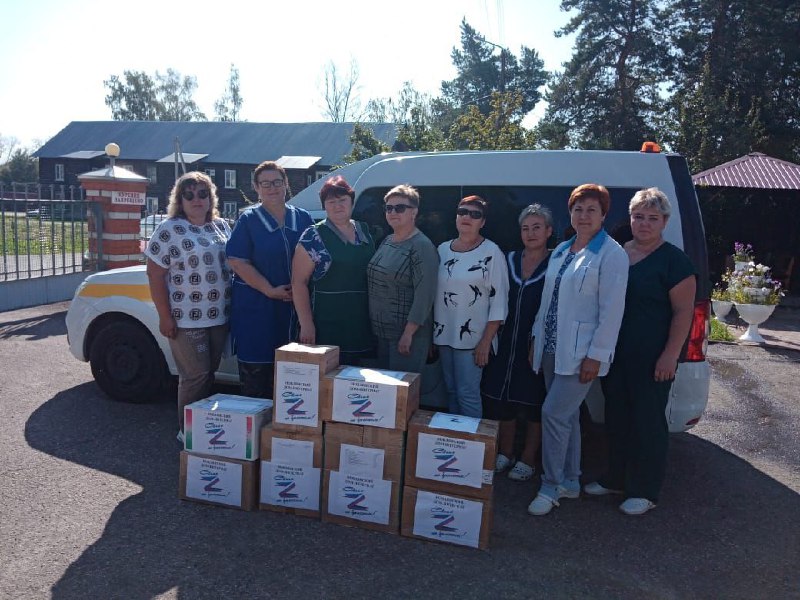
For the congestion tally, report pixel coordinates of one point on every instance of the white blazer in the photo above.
(591, 301)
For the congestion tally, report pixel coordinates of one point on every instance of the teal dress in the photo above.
(635, 403)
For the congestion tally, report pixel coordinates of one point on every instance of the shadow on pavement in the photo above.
(35, 328)
(723, 529)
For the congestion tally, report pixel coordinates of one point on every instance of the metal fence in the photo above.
(43, 231)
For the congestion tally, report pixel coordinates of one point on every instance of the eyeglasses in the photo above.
(398, 208)
(474, 214)
(275, 183)
(188, 195)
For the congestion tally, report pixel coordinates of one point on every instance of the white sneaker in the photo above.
(541, 505)
(596, 489)
(521, 472)
(180, 436)
(501, 463)
(636, 506)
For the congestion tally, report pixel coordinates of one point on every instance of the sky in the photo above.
(56, 54)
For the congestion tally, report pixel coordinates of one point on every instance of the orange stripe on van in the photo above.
(104, 290)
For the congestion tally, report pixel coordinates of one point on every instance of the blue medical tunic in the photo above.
(259, 324)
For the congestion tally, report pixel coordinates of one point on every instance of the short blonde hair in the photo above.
(651, 198)
(404, 191)
(189, 180)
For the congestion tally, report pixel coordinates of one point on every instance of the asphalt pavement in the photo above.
(89, 507)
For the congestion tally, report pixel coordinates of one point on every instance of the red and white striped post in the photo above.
(114, 222)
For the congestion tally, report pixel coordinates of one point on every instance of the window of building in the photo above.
(59, 172)
(321, 174)
(212, 173)
(229, 209)
(230, 179)
(127, 167)
(152, 174)
(152, 205)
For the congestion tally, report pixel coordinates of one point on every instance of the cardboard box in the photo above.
(298, 371)
(225, 425)
(446, 518)
(451, 454)
(361, 502)
(373, 397)
(291, 472)
(218, 481)
(381, 445)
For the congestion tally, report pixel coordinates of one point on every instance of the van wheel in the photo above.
(127, 363)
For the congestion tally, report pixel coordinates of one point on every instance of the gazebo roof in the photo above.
(754, 170)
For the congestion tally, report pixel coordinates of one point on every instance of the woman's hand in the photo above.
(404, 343)
(280, 292)
(308, 334)
(589, 370)
(666, 365)
(168, 327)
(481, 353)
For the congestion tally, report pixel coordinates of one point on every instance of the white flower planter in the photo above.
(754, 315)
(721, 308)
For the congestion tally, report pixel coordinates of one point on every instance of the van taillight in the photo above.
(698, 335)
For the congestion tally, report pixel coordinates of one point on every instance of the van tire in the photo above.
(127, 363)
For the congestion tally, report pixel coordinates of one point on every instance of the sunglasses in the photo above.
(188, 195)
(474, 214)
(398, 208)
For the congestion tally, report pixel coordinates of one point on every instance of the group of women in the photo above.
(520, 337)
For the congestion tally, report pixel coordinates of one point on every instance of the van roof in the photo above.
(500, 167)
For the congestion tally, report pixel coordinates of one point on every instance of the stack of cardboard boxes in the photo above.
(292, 446)
(219, 463)
(449, 478)
(367, 413)
(347, 444)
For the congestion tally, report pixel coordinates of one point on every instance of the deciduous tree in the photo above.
(20, 168)
(137, 96)
(229, 106)
(341, 99)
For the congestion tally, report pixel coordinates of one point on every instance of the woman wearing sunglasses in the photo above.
(190, 284)
(401, 284)
(260, 253)
(329, 277)
(470, 305)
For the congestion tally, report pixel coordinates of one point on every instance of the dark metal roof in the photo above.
(755, 170)
(235, 143)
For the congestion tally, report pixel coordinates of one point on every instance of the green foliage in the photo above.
(365, 144)
(607, 96)
(20, 168)
(138, 96)
(484, 68)
(736, 79)
(499, 130)
(719, 331)
(229, 106)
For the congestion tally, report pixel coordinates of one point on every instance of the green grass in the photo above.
(719, 331)
(29, 235)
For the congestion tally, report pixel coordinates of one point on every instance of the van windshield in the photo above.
(437, 215)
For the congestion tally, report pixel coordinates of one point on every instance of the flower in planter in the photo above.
(742, 252)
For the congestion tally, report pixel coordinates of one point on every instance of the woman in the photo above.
(402, 286)
(574, 336)
(190, 285)
(470, 305)
(260, 253)
(331, 258)
(659, 301)
(511, 390)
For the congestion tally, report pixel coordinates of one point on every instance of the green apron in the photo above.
(339, 299)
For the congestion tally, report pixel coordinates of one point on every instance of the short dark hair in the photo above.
(336, 186)
(476, 201)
